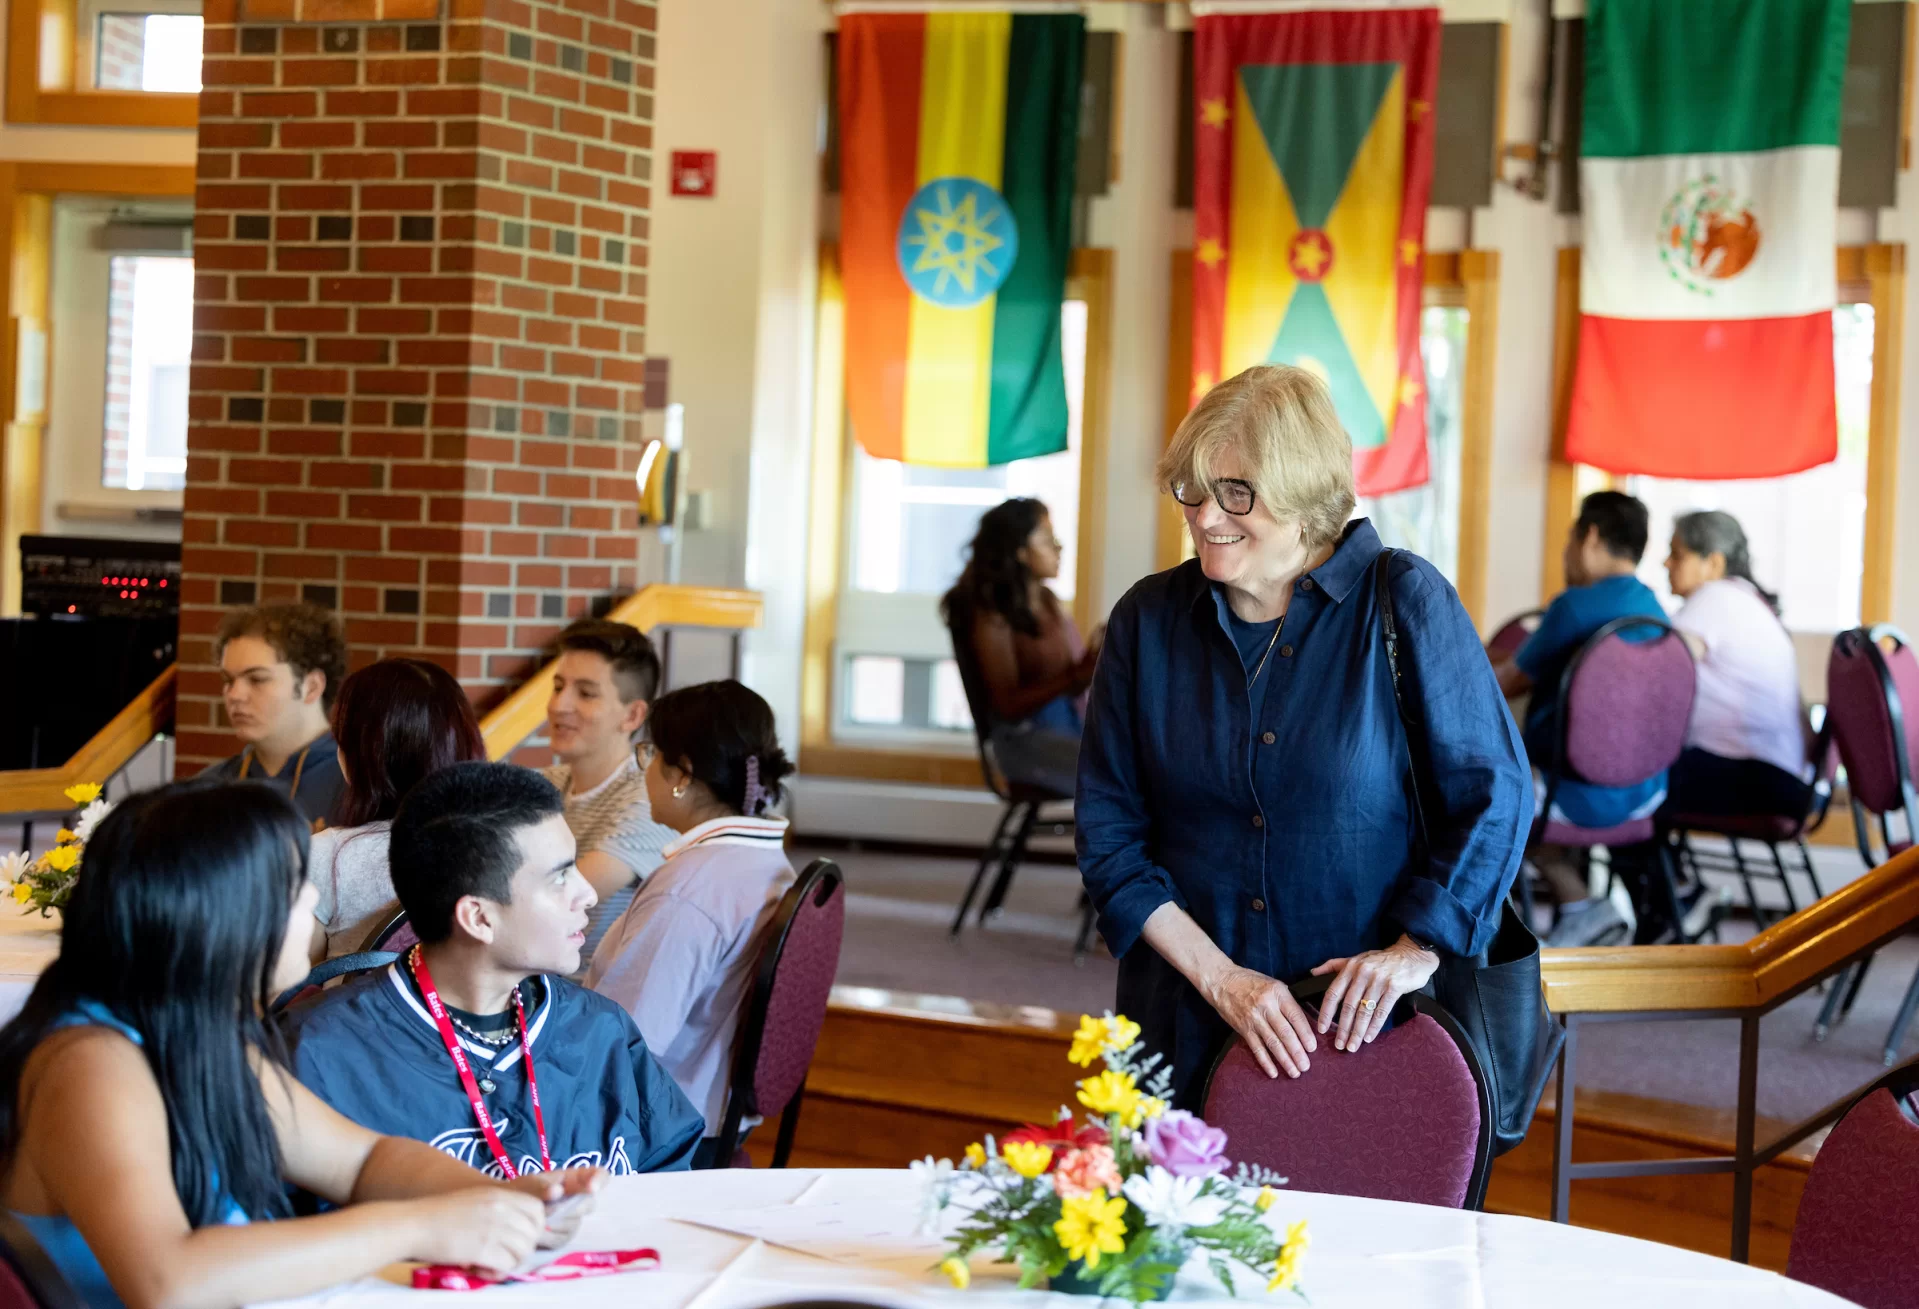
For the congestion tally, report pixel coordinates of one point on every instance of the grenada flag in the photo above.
(1709, 176)
(958, 139)
(1312, 162)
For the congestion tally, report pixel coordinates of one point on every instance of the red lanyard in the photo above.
(431, 995)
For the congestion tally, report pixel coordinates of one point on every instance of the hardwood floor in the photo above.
(899, 1076)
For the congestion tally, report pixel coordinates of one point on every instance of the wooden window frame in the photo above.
(1873, 273)
(1089, 278)
(1465, 277)
(44, 85)
(27, 191)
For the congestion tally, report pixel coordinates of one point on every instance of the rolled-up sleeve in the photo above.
(1112, 822)
(1476, 785)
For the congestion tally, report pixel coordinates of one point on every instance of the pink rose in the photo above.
(1084, 1171)
(1184, 1145)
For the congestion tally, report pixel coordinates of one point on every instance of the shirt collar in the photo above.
(738, 830)
(500, 1058)
(1352, 557)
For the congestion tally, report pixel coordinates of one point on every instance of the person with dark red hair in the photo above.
(397, 722)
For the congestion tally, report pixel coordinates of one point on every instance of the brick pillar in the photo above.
(421, 243)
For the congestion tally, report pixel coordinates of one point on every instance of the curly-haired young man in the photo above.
(280, 666)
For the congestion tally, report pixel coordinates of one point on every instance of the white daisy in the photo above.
(12, 866)
(90, 818)
(1169, 1201)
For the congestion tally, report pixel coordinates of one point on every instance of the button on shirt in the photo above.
(1178, 756)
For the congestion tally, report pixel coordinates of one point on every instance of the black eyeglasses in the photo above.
(1234, 496)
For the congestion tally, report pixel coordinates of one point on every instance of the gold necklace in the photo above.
(1277, 627)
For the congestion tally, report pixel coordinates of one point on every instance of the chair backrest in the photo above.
(787, 1006)
(1513, 633)
(28, 1278)
(345, 965)
(978, 703)
(1408, 1117)
(1858, 1224)
(1624, 703)
(393, 933)
(1872, 707)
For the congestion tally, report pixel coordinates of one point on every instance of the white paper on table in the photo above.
(845, 1231)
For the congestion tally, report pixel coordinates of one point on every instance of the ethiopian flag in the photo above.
(1709, 176)
(958, 138)
(1313, 158)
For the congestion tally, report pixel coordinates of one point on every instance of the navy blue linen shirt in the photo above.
(1290, 839)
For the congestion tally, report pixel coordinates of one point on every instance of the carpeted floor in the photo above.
(901, 904)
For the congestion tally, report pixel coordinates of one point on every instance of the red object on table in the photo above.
(695, 172)
(567, 1268)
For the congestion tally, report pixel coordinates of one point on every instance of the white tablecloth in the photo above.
(1364, 1252)
(28, 943)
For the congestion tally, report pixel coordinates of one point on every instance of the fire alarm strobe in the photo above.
(695, 171)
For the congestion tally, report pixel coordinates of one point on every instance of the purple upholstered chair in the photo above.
(786, 1010)
(28, 1278)
(1406, 1118)
(1512, 634)
(1624, 703)
(1858, 1222)
(1872, 710)
(395, 934)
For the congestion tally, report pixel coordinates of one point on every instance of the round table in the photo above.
(861, 1226)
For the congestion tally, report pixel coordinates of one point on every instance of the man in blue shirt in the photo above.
(1602, 552)
(551, 1075)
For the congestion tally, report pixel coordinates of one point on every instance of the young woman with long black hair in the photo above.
(1022, 645)
(146, 1116)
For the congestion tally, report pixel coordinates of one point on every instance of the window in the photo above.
(908, 528)
(149, 340)
(1425, 519)
(147, 52)
(1807, 530)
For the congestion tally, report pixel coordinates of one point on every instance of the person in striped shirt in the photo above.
(603, 683)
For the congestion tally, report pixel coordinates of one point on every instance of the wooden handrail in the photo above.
(41, 790)
(1777, 962)
(521, 714)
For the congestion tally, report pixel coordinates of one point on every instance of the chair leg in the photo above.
(1812, 873)
(986, 860)
(1829, 1010)
(1745, 879)
(1666, 887)
(789, 1125)
(1779, 864)
(1009, 863)
(1907, 1008)
(1858, 982)
(1085, 938)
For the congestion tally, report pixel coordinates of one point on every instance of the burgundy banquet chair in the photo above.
(28, 1278)
(1872, 711)
(786, 1010)
(1512, 634)
(1858, 1223)
(1624, 704)
(1408, 1117)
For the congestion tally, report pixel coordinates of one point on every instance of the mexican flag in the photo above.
(1709, 175)
(1312, 162)
(958, 139)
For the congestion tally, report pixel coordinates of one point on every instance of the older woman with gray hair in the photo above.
(1746, 744)
(1246, 812)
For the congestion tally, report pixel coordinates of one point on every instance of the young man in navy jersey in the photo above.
(472, 1042)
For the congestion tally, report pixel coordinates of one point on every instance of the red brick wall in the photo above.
(418, 329)
(118, 415)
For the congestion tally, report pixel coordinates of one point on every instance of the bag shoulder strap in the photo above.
(1389, 621)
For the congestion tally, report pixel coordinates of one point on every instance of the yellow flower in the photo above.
(62, 857)
(1091, 1225)
(1027, 1158)
(1264, 1200)
(1111, 1093)
(1150, 1106)
(1286, 1267)
(63, 836)
(22, 893)
(1089, 1042)
(83, 792)
(976, 1155)
(1121, 1032)
(957, 1272)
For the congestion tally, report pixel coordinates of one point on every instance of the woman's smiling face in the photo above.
(1238, 550)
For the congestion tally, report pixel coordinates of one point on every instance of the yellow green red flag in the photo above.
(1313, 147)
(958, 138)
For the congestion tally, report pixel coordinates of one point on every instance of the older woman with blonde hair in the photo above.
(1246, 812)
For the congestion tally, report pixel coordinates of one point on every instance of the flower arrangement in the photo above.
(47, 881)
(1116, 1205)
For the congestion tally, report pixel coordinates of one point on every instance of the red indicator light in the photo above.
(72, 609)
(163, 581)
(103, 581)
